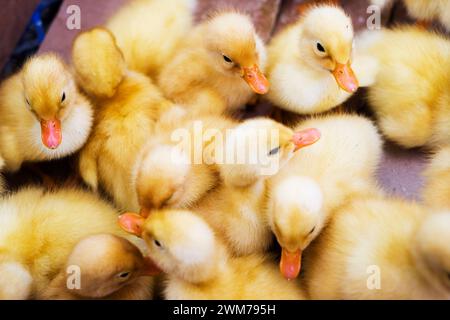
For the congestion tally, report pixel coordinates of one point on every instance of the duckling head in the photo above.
(166, 177)
(433, 250)
(296, 218)
(327, 43)
(236, 50)
(106, 264)
(98, 62)
(50, 94)
(179, 242)
(260, 147)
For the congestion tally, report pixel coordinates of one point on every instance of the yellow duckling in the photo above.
(43, 115)
(437, 175)
(411, 96)
(111, 268)
(175, 169)
(128, 105)
(377, 248)
(149, 32)
(321, 178)
(38, 232)
(310, 62)
(219, 67)
(253, 152)
(199, 265)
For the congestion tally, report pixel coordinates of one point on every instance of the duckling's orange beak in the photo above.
(290, 263)
(132, 223)
(345, 77)
(150, 268)
(51, 133)
(256, 79)
(305, 138)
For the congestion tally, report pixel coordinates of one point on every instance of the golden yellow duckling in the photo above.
(198, 264)
(44, 116)
(437, 176)
(219, 67)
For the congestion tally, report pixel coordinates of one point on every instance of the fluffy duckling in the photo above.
(199, 265)
(253, 152)
(307, 190)
(38, 232)
(175, 169)
(411, 96)
(111, 268)
(148, 32)
(219, 67)
(128, 105)
(310, 62)
(44, 116)
(424, 10)
(380, 248)
(437, 190)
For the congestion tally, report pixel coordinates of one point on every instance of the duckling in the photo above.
(410, 96)
(219, 67)
(44, 116)
(304, 194)
(38, 232)
(127, 107)
(378, 248)
(437, 176)
(149, 32)
(253, 152)
(175, 169)
(198, 264)
(310, 62)
(111, 268)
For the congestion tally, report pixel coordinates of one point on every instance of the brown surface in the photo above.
(400, 172)
(14, 18)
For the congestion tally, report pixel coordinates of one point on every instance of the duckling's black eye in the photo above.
(63, 98)
(124, 275)
(312, 230)
(274, 151)
(227, 60)
(320, 47)
(157, 243)
(448, 276)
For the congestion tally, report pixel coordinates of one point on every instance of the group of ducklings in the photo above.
(208, 226)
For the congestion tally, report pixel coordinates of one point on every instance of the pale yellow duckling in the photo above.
(111, 267)
(219, 67)
(377, 248)
(127, 107)
(310, 62)
(253, 152)
(39, 230)
(411, 96)
(149, 32)
(43, 115)
(437, 176)
(198, 264)
(321, 178)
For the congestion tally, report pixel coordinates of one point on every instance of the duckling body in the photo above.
(210, 71)
(128, 105)
(378, 248)
(410, 96)
(149, 32)
(427, 11)
(39, 230)
(320, 179)
(44, 116)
